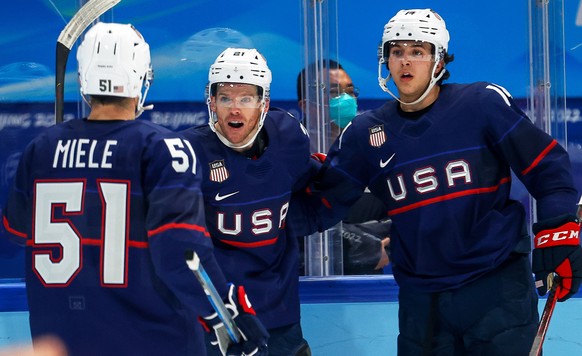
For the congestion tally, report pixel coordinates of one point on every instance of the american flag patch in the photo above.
(218, 172)
(118, 88)
(377, 136)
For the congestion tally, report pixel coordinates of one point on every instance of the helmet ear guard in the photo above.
(114, 60)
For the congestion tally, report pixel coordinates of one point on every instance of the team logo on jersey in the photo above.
(218, 172)
(377, 135)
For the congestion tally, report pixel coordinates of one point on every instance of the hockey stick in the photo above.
(553, 283)
(213, 296)
(69, 35)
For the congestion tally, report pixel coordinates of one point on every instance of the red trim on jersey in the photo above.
(11, 230)
(178, 226)
(91, 242)
(99, 242)
(326, 203)
(540, 157)
(251, 244)
(138, 244)
(449, 197)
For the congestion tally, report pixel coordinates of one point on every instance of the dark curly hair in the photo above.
(448, 58)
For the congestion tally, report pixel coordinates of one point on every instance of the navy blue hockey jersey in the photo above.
(445, 176)
(106, 210)
(247, 201)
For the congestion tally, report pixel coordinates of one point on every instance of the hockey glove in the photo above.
(253, 333)
(557, 250)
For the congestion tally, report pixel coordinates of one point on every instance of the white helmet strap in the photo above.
(213, 121)
(384, 81)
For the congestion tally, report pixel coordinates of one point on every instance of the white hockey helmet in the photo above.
(241, 66)
(114, 60)
(423, 25)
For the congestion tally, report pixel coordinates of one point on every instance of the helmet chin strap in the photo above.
(431, 84)
(227, 143)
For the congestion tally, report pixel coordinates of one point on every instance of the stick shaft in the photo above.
(61, 65)
(196, 267)
(536, 348)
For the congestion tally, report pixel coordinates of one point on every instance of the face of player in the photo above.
(410, 64)
(238, 109)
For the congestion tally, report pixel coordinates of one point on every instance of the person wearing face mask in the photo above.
(343, 104)
(342, 101)
(365, 229)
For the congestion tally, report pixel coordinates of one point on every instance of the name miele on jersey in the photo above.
(83, 153)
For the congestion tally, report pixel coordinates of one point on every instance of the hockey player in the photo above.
(252, 160)
(440, 157)
(107, 207)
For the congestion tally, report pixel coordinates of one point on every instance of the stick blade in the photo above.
(82, 19)
(87, 14)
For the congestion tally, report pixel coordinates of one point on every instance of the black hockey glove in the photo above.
(254, 335)
(557, 250)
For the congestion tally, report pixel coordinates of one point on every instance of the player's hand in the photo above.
(43, 346)
(253, 333)
(557, 250)
(384, 258)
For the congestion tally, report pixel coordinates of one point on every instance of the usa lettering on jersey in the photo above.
(425, 179)
(261, 221)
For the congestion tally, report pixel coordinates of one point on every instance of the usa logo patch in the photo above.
(377, 135)
(218, 171)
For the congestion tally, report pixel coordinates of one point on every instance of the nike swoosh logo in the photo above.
(219, 197)
(385, 163)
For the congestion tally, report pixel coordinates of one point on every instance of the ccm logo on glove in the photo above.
(567, 234)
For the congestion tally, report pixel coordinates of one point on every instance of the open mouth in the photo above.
(235, 124)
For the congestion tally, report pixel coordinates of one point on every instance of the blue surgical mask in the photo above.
(342, 109)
